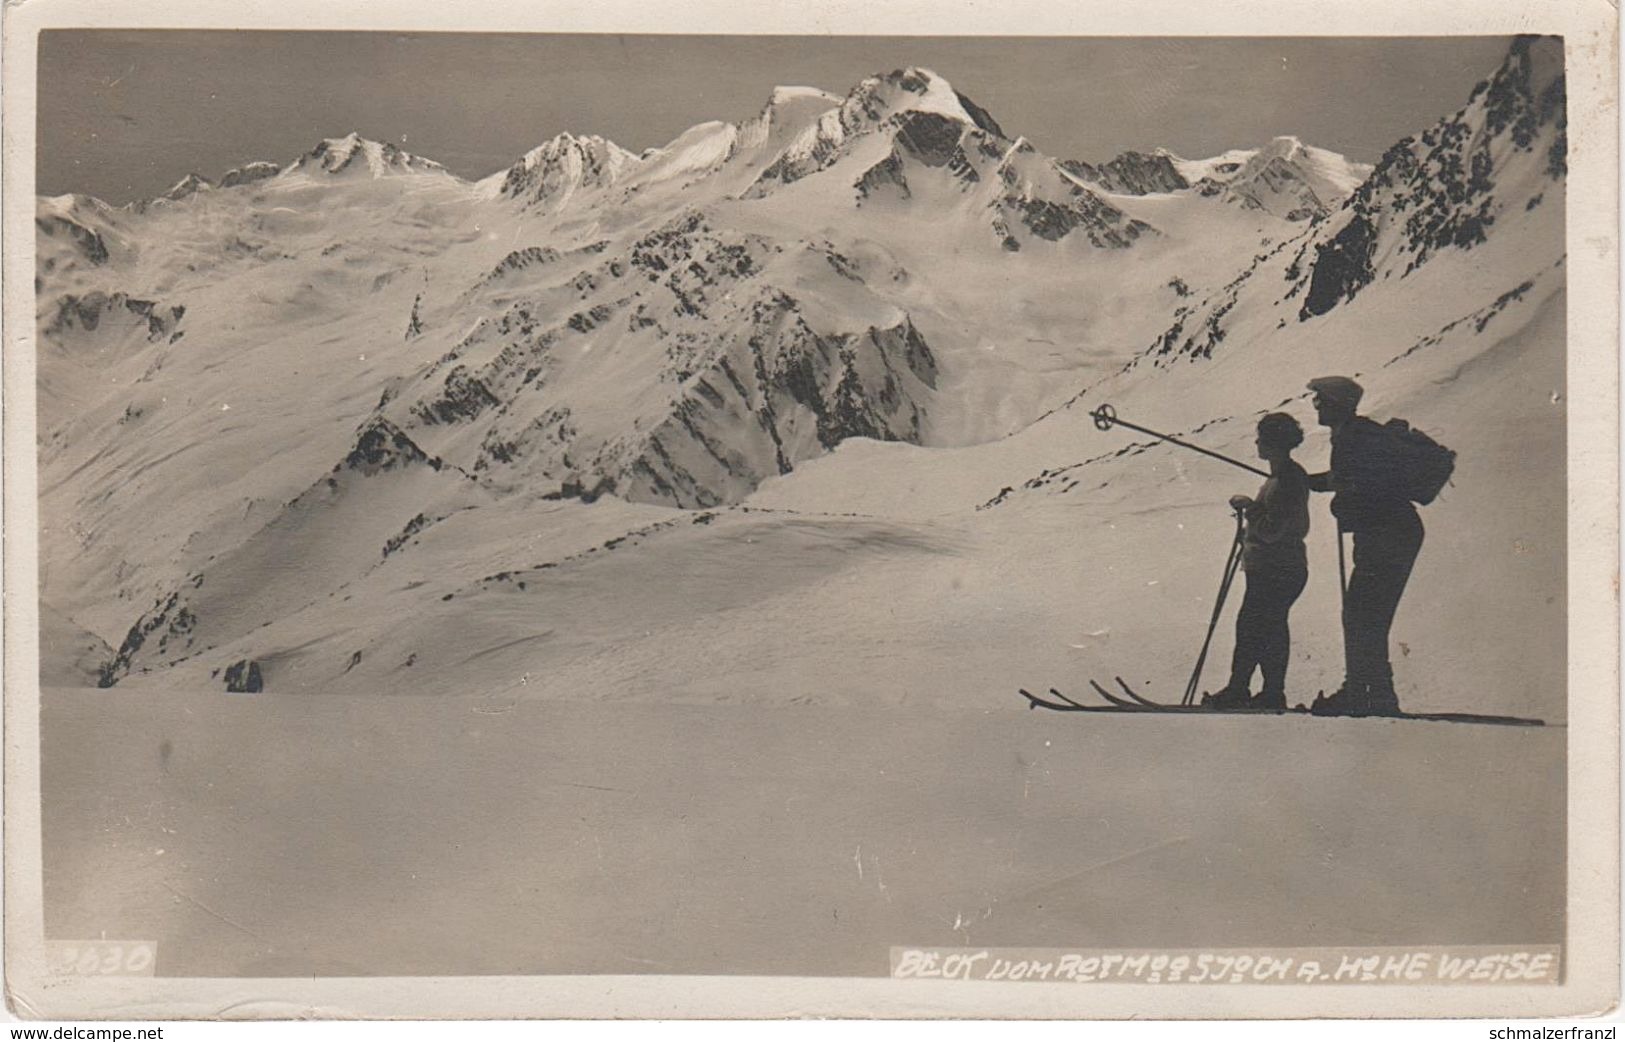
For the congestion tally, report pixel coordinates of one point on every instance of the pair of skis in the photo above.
(1132, 702)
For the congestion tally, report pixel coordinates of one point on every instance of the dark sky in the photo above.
(125, 114)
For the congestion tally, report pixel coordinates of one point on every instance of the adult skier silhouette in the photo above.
(1370, 502)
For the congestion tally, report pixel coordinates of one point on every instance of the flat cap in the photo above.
(1338, 389)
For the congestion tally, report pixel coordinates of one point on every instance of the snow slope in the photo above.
(493, 835)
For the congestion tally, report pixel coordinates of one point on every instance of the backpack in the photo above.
(1417, 466)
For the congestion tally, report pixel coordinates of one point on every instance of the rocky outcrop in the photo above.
(549, 175)
(356, 156)
(1342, 266)
(463, 396)
(1444, 189)
(84, 244)
(244, 677)
(741, 384)
(930, 138)
(1132, 173)
(381, 446)
(518, 260)
(166, 628)
(1438, 191)
(784, 395)
(1079, 210)
(886, 173)
(89, 312)
(1277, 186)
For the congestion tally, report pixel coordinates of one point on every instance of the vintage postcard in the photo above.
(575, 511)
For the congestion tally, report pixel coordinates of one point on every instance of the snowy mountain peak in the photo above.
(1327, 176)
(1285, 177)
(788, 110)
(249, 173)
(783, 95)
(901, 102)
(188, 185)
(553, 171)
(913, 89)
(700, 148)
(354, 156)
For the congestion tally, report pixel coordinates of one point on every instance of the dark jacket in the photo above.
(1364, 478)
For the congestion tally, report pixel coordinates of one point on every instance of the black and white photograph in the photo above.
(1063, 510)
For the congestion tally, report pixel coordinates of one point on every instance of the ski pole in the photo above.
(1105, 418)
(1231, 563)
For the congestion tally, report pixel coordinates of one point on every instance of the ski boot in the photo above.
(1348, 700)
(1228, 697)
(1269, 702)
(1381, 699)
(1354, 699)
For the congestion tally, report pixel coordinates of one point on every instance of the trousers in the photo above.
(1383, 558)
(1263, 638)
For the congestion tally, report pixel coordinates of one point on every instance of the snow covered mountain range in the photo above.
(793, 408)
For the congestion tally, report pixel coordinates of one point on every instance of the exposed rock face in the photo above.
(244, 677)
(917, 107)
(1439, 191)
(549, 175)
(744, 383)
(519, 260)
(1132, 173)
(1276, 185)
(1442, 190)
(382, 446)
(87, 313)
(167, 626)
(1342, 266)
(463, 397)
(783, 395)
(1054, 212)
(355, 156)
(930, 137)
(887, 172)
(84, 243)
